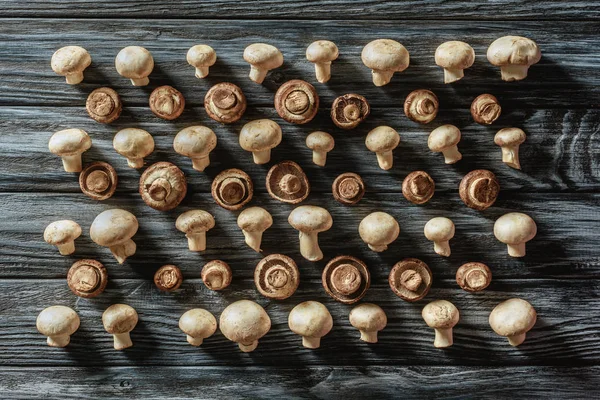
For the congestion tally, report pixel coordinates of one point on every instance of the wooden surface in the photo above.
(559, 186)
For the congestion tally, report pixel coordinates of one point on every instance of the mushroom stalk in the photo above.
(453, 75)
(514, 72)
(258, 74)
(196, 241)
(62, 340)
(368, 336)
(385, 159)
(140, 81)
(66, 249)
(323, 71)
(201, 72)
(261, 157)
(122, 340)
(516, 340)
(381, 78)
(320, 158)
(200, 163)
(443, 337)
(451, 155)
(74, 78)
(309, 246)
(378, 248)
(516, 250)
(247, 348)
(442, 248)
(253, 239)
(195, 341)
(510, 156)
(72, 163)
(311, 342)
(123, 250)
(135, 162)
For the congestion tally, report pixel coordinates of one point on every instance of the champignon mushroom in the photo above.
(349, 110)
(244, 322)
(312, 321)
(384, 57)
(163, 186)
(322, 53)
(513, 318)
(485, 109)
(195, 224)
(276, 276)
(440, 230)
(262, 58)
(58, 323)
(166, 102)
(104, 105)
(69, 144)
(514, 55)
(382, 141)
(473, 276)
(369, 319)
(444, 139)
(216, 275)
(201, 57)
(232, 189)
(410, 279)
(168, 278)
(515, 229)
(442, 316)
(134, 144)
(509, 139)
(378, 230)
(119, 320)
(98, 180)
(253, 221)
(348, 188)
(135, 63)
(421, 106)
(196, 142)
(297, 101)
(309, 221)
(454, 56)
(114, 229)
(479, 189)
(287, 182)
(346, 279)
(70, 62)
(62, 234)
(225, 102)
(198, 324)
(320, 143)
(87, 278)
(259, 137)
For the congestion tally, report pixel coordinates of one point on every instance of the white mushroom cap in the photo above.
(119, 320)
(195, 224)
(70, 62)
(196, 142)
(440, 230)
(201, 57)
(259, 137)
(514, 55)
(310, 220)
(135, 63)
(378, 230)
(513, 318)
(62, 234)
(320, 143)
(369, 319)
(198, 324)
(244, 322)
(312, 321)
(253, 221)
(322, 53)
(58, 323)
(384, 57)
(114, 229)
(444, 139)
(454, 56)
(509, 139)
(382, 141)
(442, 316)
(134, 144)
(515, 229)
(69, 144)
(262, 57)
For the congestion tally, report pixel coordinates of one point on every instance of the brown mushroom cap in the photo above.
(297, 101)
(61, 232)
(515, 228)
(473, 276)
(443, 137)
(69, 142)
(312, 321)
(348, 188)
(260, 135)
(168, 278)
(509, 137)
(254, 219)
(119, 318)
(378, 230)
(513, 318)
(439, 229)
(320, 141)
(322, 51)
(310, 219)
(87, 278)
(440, 314)
(134, 62)
(369, 319)
(195, 221)
(479, 189)
(197, 324)
(134, 144)
(57, 321)
(195, 141)
(514, 51)
(349, 110)
(232, 189)
(287, 182)
(485, 109)
(276, 276)
(410, 279)
(385, 55)
(382, 138)
(346, 279)
(104, 105)
(163, 186)
(113, 227)
(71, 61)
(263, 56)
(98, 180)
(244, 322)
(166, 102)
(216, 275)
(421, 106)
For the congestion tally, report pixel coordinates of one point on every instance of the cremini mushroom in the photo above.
(70, 62)
(320, 143)
(135, 63)
(196, 142)
(262, 58)
(62, 234)
(378, 230)
(382, 141)
(98, 180)
(114, 229)
(166, 102)
(259, 137)
(454, 56)
(369, 319)
(69, 144)
(514, 55)
(195, 224)
(87, 278)
(346, 279)
(197, 324)
(201, 57)
(119, 320)
(287, 182)
(297, 101)
(384, 57)
(349, 110)
(485, 109)
(421, 106)
(348, 188)
(515, 229)
(276, 276)
(216, 275)
(322, 53)
(58, 323)
(479, 189)
(163, 186)
(312, 321)
(440, 230)
(253, 221)
(104, 105)
(244, 322)
(473, 276)
(168, 278)
(509, 139)
(232, 189)
(410, 279)
(225, 102)
(310, 221)
(134, 144)
(444, 139)
(513, 318)
(442, 316)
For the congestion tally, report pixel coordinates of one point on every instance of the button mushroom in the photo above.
(515, 229)
(322, 53)
(104, 105)
(418, 187)
(119, 320)
(444, 139)
(514, 55)
(382, 141)
(485, 109)
(421, 106)
(201, 57)
(473, 276)
(166, 102)
(348, 188)
(98, 180)
(346, 279)
(320, 143)
(513, 318)
(297, 101)
(168, 278)
(62, 234)
(442, 316)
(196, 142)
(262, 58)
(58, 323)
(198, 324)
(349, 110)
(70, 62)
(253, 221)
(440, 230)
(69, 144)
(287, 182)
(509, 139)
(135, 63)
(114, 229)
(312, 321)
(378, 230)
(225, 103)
(216, 275)
(410, 279)
(369, 319)
(454, 56)
(384, 57)
(134, 144)
(87, 278)
(276, 276)
(309, 221)
(244, 322)
(195, 224)
(259, 137)
(479, 189)
(232, 189)
(163, 186)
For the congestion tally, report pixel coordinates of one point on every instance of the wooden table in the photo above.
(557, 105)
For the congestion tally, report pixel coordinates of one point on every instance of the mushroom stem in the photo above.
(378, 248)
(443, 338)
(451, 155)
(368, 336)
(200, 163)
(516, 340)
(123, 250)
(320, 158)
(453, 75)
(323, 71)
(442, 248)
(122, 341)
(201, 72)
(196, 241)
(311, 342)
(72, 163)
(309, 246)
(381, 78)
(385, 159)
(516, 250)
(510, 156)
(140, 81)
(135, 162)
(513, 72)
(257, 75)
(74, 78)
(67, 248)
(247, 348)
(62, 340)
(194, 341)
(254, 239)
(261, 157)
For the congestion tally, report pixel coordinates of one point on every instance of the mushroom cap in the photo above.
(263, 55)
(70, 59)
(454, 55)
(311, 319)
(378, 228)
(57, 320)
(62, 231)
(133, 143)
(69, 142)
(322, 51)
(443, 137)
(439, 229)
(260, 135)
(194, 221)
(440, 314)
(368, 317)
(510, 137)
(198, 322)
(255, 219)
(515, 228)
(134, 62)
(382, 138)
(386, 55)
(320, 141)
(513, 317)
(310, 219)
(119, 318)
(513, 50)
(201, 55)
(113, 227)
(244, 321)
(195, 141)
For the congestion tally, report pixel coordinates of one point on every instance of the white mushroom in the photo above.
(262, 58)
(119, 320)
(312, 321)
(440, 230)
(385, 57)
(135, 63)
(201, 57)
(515, 229)
(69, 144)
(253, 221)
(454, 56)
(70, 62)
(513, 318)
(320, 143)
(259, 137)
(134, 144)
(244, 322)
(382, 141)
(114, 229)
(514, 55)
(444, 139)
(58, 323)
(195, 224)
(62, 234)
(509, 139)
(196, 142)
(369, 319)
(322, 53)
(198, 324)
(310, 221)
(378, 230)
(442, 316)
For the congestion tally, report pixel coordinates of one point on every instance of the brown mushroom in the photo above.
(114, 229)
(262, 58)
(440, 230)
(232, 189)
(322, 53)
(346, 279)
(163, 186)
(195, 224)
(485, 109)
(62, 234)
(196, 142)
(166, 102)
(197, 324)
(253, 221)
(348, 188)
(509, 139)
(259, 137)
(515, 229)
(70, 62)
(104, 105)
(119, 320)
(320, 143)
(454, 56)
(98, 180)
(385, 57)
(312, 321)
(310, 221)
(244, 322)
(349, 110)
(514, 55)
(287, 182)
(87, 278)
(216, 275)
(135, 63)
(369, 319)
(133, 144)
(276, 276)
(410, 279)
(168, 278)
(69, 144)
(378, 230)
(382, 141)
(479, 189)
(201, 57)
(444, 139)
(58, 323)
(297, 101)
(421, 106)
(418, 187)
(225, 103)
(473, 276)
(442, 316)
(513, 318)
